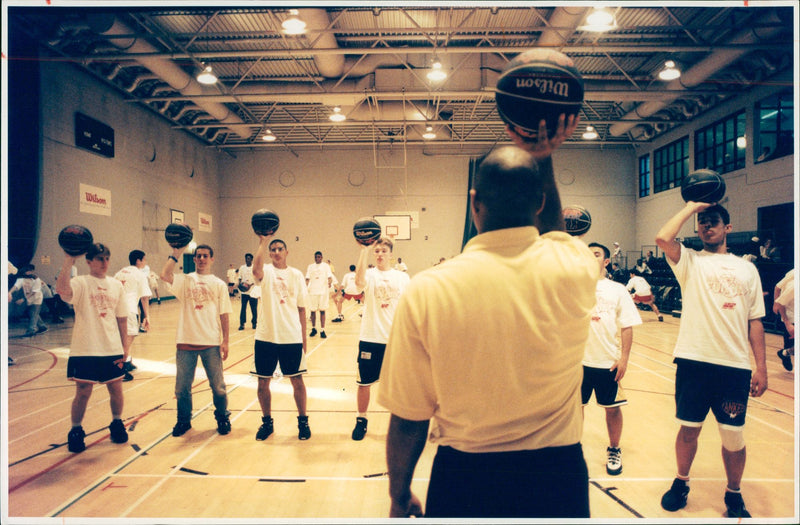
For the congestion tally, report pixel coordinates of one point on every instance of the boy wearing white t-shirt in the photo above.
(720, 325)
(203, 328)
(137, 292)
(382, 287)
(605, 361)
(96, 353)
(281, 332)
(318, 278)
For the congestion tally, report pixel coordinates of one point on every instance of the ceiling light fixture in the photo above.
(337, 115)
(429, 133)
(670, 72)
(590, 133)
(599, 21)
(436, 74)
(293, 25)
(269, 136)
(207, 76)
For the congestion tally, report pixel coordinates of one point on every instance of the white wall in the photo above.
(130, 176)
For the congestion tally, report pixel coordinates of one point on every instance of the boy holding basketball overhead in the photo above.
(203, 327)
(382, 287)
(720, 325)
(281, 333)
(96, 353)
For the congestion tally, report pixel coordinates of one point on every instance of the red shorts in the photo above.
(357, 297)
(642, 298)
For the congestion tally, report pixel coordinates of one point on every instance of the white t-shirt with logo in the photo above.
(283, 291)
(381, 295)
(721, 293)
(317, 275)
(614, 310)
(203, 298)
(97, 303)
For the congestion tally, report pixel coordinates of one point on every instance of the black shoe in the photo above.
(675, 498)
(127, 377)
(660, 318)
(265, 430)
(735, 505)
(614, 462)
(180, 428)
(313, 332)
(128, 366)
(223, 425)
(57, 320)
(322, 334)
(254, 326)
(41, 330)
(786, 359)
(75, 440)
(338, 319)
(118, 432)
(241, 327)
(304, 432)
(360, 430)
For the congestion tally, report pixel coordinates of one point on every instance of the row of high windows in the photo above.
(721, 145)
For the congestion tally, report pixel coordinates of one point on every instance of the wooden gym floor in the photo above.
(208, 477)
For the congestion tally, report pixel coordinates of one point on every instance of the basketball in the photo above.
(366, 230)
(703, 186)
(577, 220)
(538, 84)
(265, 222)
(178, 235)
(75, 239)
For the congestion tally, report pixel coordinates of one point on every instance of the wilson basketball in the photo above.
(75, 239)
(366, 230)
(538, 84)
(577, 220)
(178, 235)
(265, 222)
(703, 186)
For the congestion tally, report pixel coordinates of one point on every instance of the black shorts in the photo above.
(702, 386)
(546, 483)
(608, 392)
(267, 356)
(370, 359)
(95, 369)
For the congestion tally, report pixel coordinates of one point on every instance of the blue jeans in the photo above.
(35, 322)
(185, 364)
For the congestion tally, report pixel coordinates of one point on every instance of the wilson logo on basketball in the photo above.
(544, 86)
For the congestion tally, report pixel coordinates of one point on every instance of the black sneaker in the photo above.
(735, 505)
(304, 432)
(675, 498)
(41, 330)
(127, 377)
(786, 359)
(614, 463)
(118, 432)
(338, 319)
(660, 318)
(223, 425)
(254, 326)
(322, 334)
(180, 428)
(360, 430)
(128, 366)
(265, 430)
(75, 440)
(241, 327)
(313, 332)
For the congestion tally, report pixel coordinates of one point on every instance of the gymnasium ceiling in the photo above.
(373, 61)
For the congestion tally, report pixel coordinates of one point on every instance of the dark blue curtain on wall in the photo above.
(24, 148)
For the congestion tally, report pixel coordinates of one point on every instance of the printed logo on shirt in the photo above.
(727, 284)
(729, 306)
(199, 294)
(101, 301)
(385, 293)
(280, 289)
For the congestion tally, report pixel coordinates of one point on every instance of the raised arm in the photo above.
(666, 236)
(551, 217)
(63, 287)
(361, 267)
(261, 256)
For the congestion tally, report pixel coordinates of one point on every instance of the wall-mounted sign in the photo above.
(204, 222)
(93, 135)
(95, 200)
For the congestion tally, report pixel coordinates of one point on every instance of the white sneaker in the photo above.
(614, 463)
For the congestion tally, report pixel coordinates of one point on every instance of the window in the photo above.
(774, 127)
(644, 176)
(721, 146)
(670, 165)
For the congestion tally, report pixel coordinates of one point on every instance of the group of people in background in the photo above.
(499, 401)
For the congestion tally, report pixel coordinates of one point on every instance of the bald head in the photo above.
(507, 190)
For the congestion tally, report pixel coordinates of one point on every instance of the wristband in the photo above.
(173, 258)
